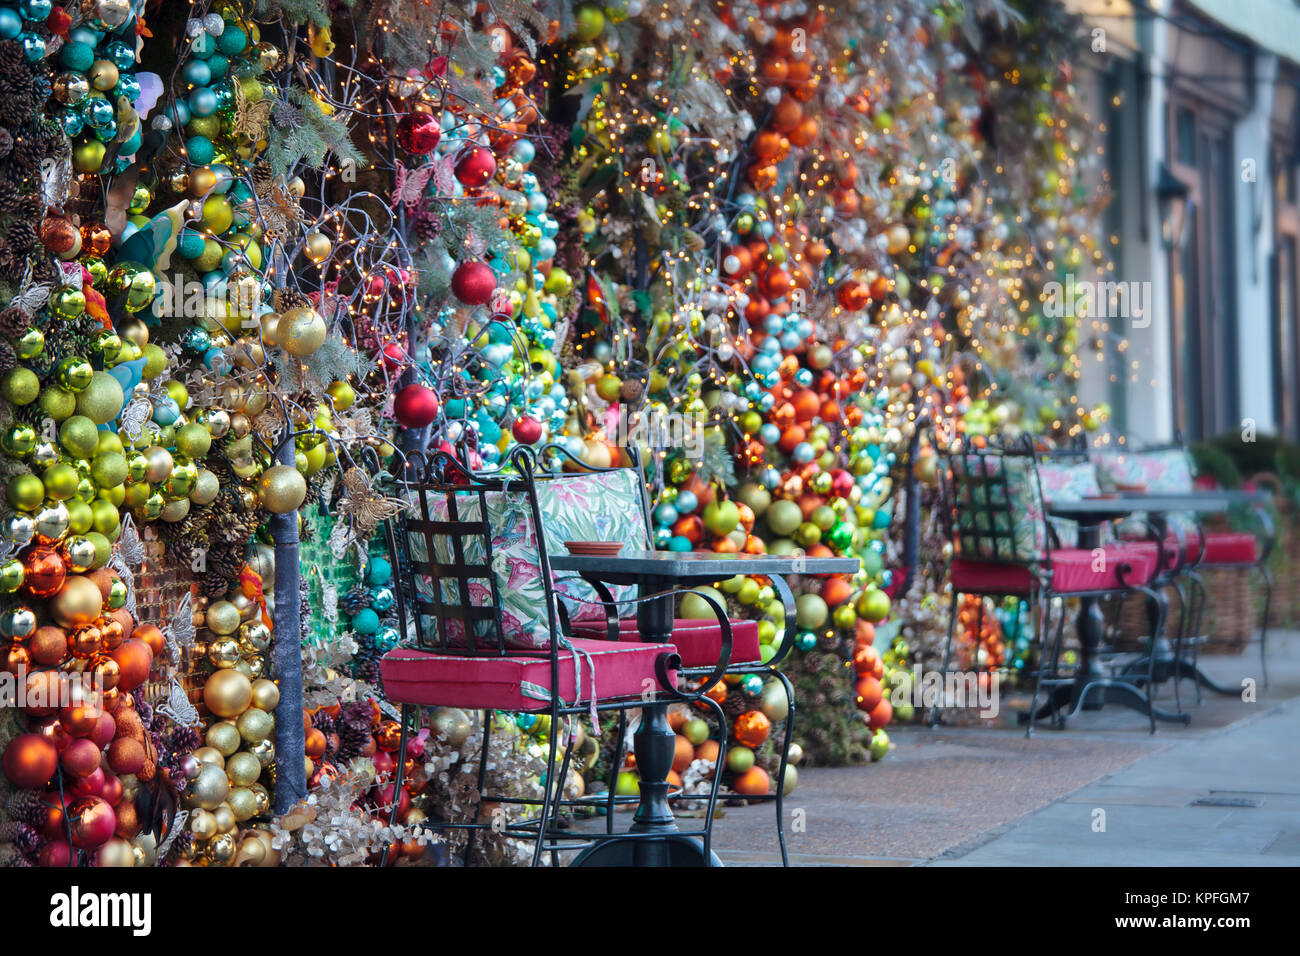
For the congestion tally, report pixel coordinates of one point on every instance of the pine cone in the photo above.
(735, 705)
(26, 806)
(22, 237)
(14, 321)
(10, 196)
(356, 600)
(286, 299)
(7, 357)
(183, 740)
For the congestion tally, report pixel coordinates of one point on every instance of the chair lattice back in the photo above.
(994, 504)
(443, 555)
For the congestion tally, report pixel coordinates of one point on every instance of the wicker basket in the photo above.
(1129, 624)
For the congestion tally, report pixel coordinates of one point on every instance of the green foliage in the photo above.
(300, 131)
(1213, 461)
(315, 12)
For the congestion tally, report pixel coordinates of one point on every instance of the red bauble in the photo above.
(415, 406)
(418, 133)
(57, 853)
(473, 282)
(393, 356)
(30, 760)
(475, 166)
(80, 758)
(43, 572)
(526, 430)
(91, 821)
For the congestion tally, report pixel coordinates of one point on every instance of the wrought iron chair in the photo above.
(703, 646)
(472, 653)
(1003, 546)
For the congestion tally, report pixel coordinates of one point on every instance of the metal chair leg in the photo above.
(1198, 597)
(1162, 608)
(547, 787)
(615, 765)
(1042, 627)
(398, 773)
(947, 655)
(785, 759)
(1263, 627)
(563, 779)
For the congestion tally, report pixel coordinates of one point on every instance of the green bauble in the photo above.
(31, 344)
(18, 440)
(68, 303)
(193, 440)
(73, 373)
(25, 492)
(79, 436)
(20, 386)
(102, 399)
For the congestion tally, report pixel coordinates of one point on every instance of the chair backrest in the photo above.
(467, 576)
(1067, 473)
(995, 504)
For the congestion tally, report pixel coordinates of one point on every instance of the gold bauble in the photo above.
(255, 725)
(262, 560)
(77, 603)
(210, 755)
(257, 400)
(240, 426)
(243, 769)
(116, 852)
(160, 464)
(317, 247)
(206, 488)
(202, 181)
(248, 354)
(263, 751)
(282, 489)
(223, 653)
(223, 736)
(103, 75)
(252, 852)
(452, 724)
(227, 692)
(263, 797)
(265, 695)
(242, 803)
(221, 850)
(223, 618)
(270, 324)
(225, 817)
(210, 788)
(301, 331)
(203, 824)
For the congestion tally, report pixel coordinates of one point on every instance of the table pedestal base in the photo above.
(1066, 702)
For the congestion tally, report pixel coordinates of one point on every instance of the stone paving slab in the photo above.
(985, 795)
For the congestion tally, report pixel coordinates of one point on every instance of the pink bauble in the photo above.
(383, 763)
(80, 758)
(91, 821)
(526, 429)
(105, 730)
(415, 406)
(475, 166)
(56, 853)
(91, 785)
(473, 282)
(418, 133)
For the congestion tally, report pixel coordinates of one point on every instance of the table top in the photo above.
(1125, 504)
(698, 564)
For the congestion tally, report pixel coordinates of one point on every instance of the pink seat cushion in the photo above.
(497, 683)
(699, 642)
(1072, 571)
(1221, 547)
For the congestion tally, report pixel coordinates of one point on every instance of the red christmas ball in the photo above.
(30, 760)
(475, 166)
(57, 853)
(418, 133)
(473, 282)
(415, 406)
(526, 430)
(80, 758)
(393, 356)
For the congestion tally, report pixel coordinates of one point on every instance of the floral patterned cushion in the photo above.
(996, 518)
(1062, 482)
(1168, 471)
(602, 506)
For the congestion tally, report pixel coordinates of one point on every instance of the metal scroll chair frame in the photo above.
(431, 612)
(981, 512)
(1194, 597)
(555, 454)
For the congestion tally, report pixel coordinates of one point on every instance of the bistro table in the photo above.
(1168, 663)
(1090, 678)
(654, 572)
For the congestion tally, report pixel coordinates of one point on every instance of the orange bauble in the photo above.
(707, 751)
(880, 715)
(754, 782)
(776, 283)
(80, 719)
(787, 114)
(133, 660)
(690, 527)
(683, 753)
(152, 636)
(316, 743)
(42, 693)
(43, 572)
(767, 144)
(865, 659)
(868, 692)
(761, 177)
(30, 760)
(853, 296)
(805, 132)
(103, 579)
(123, 617)
(775, 69)
(751, 728)
(836, 591)
(48, 646)
(806, 405)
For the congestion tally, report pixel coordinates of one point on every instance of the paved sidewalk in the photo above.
(1223, 791)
